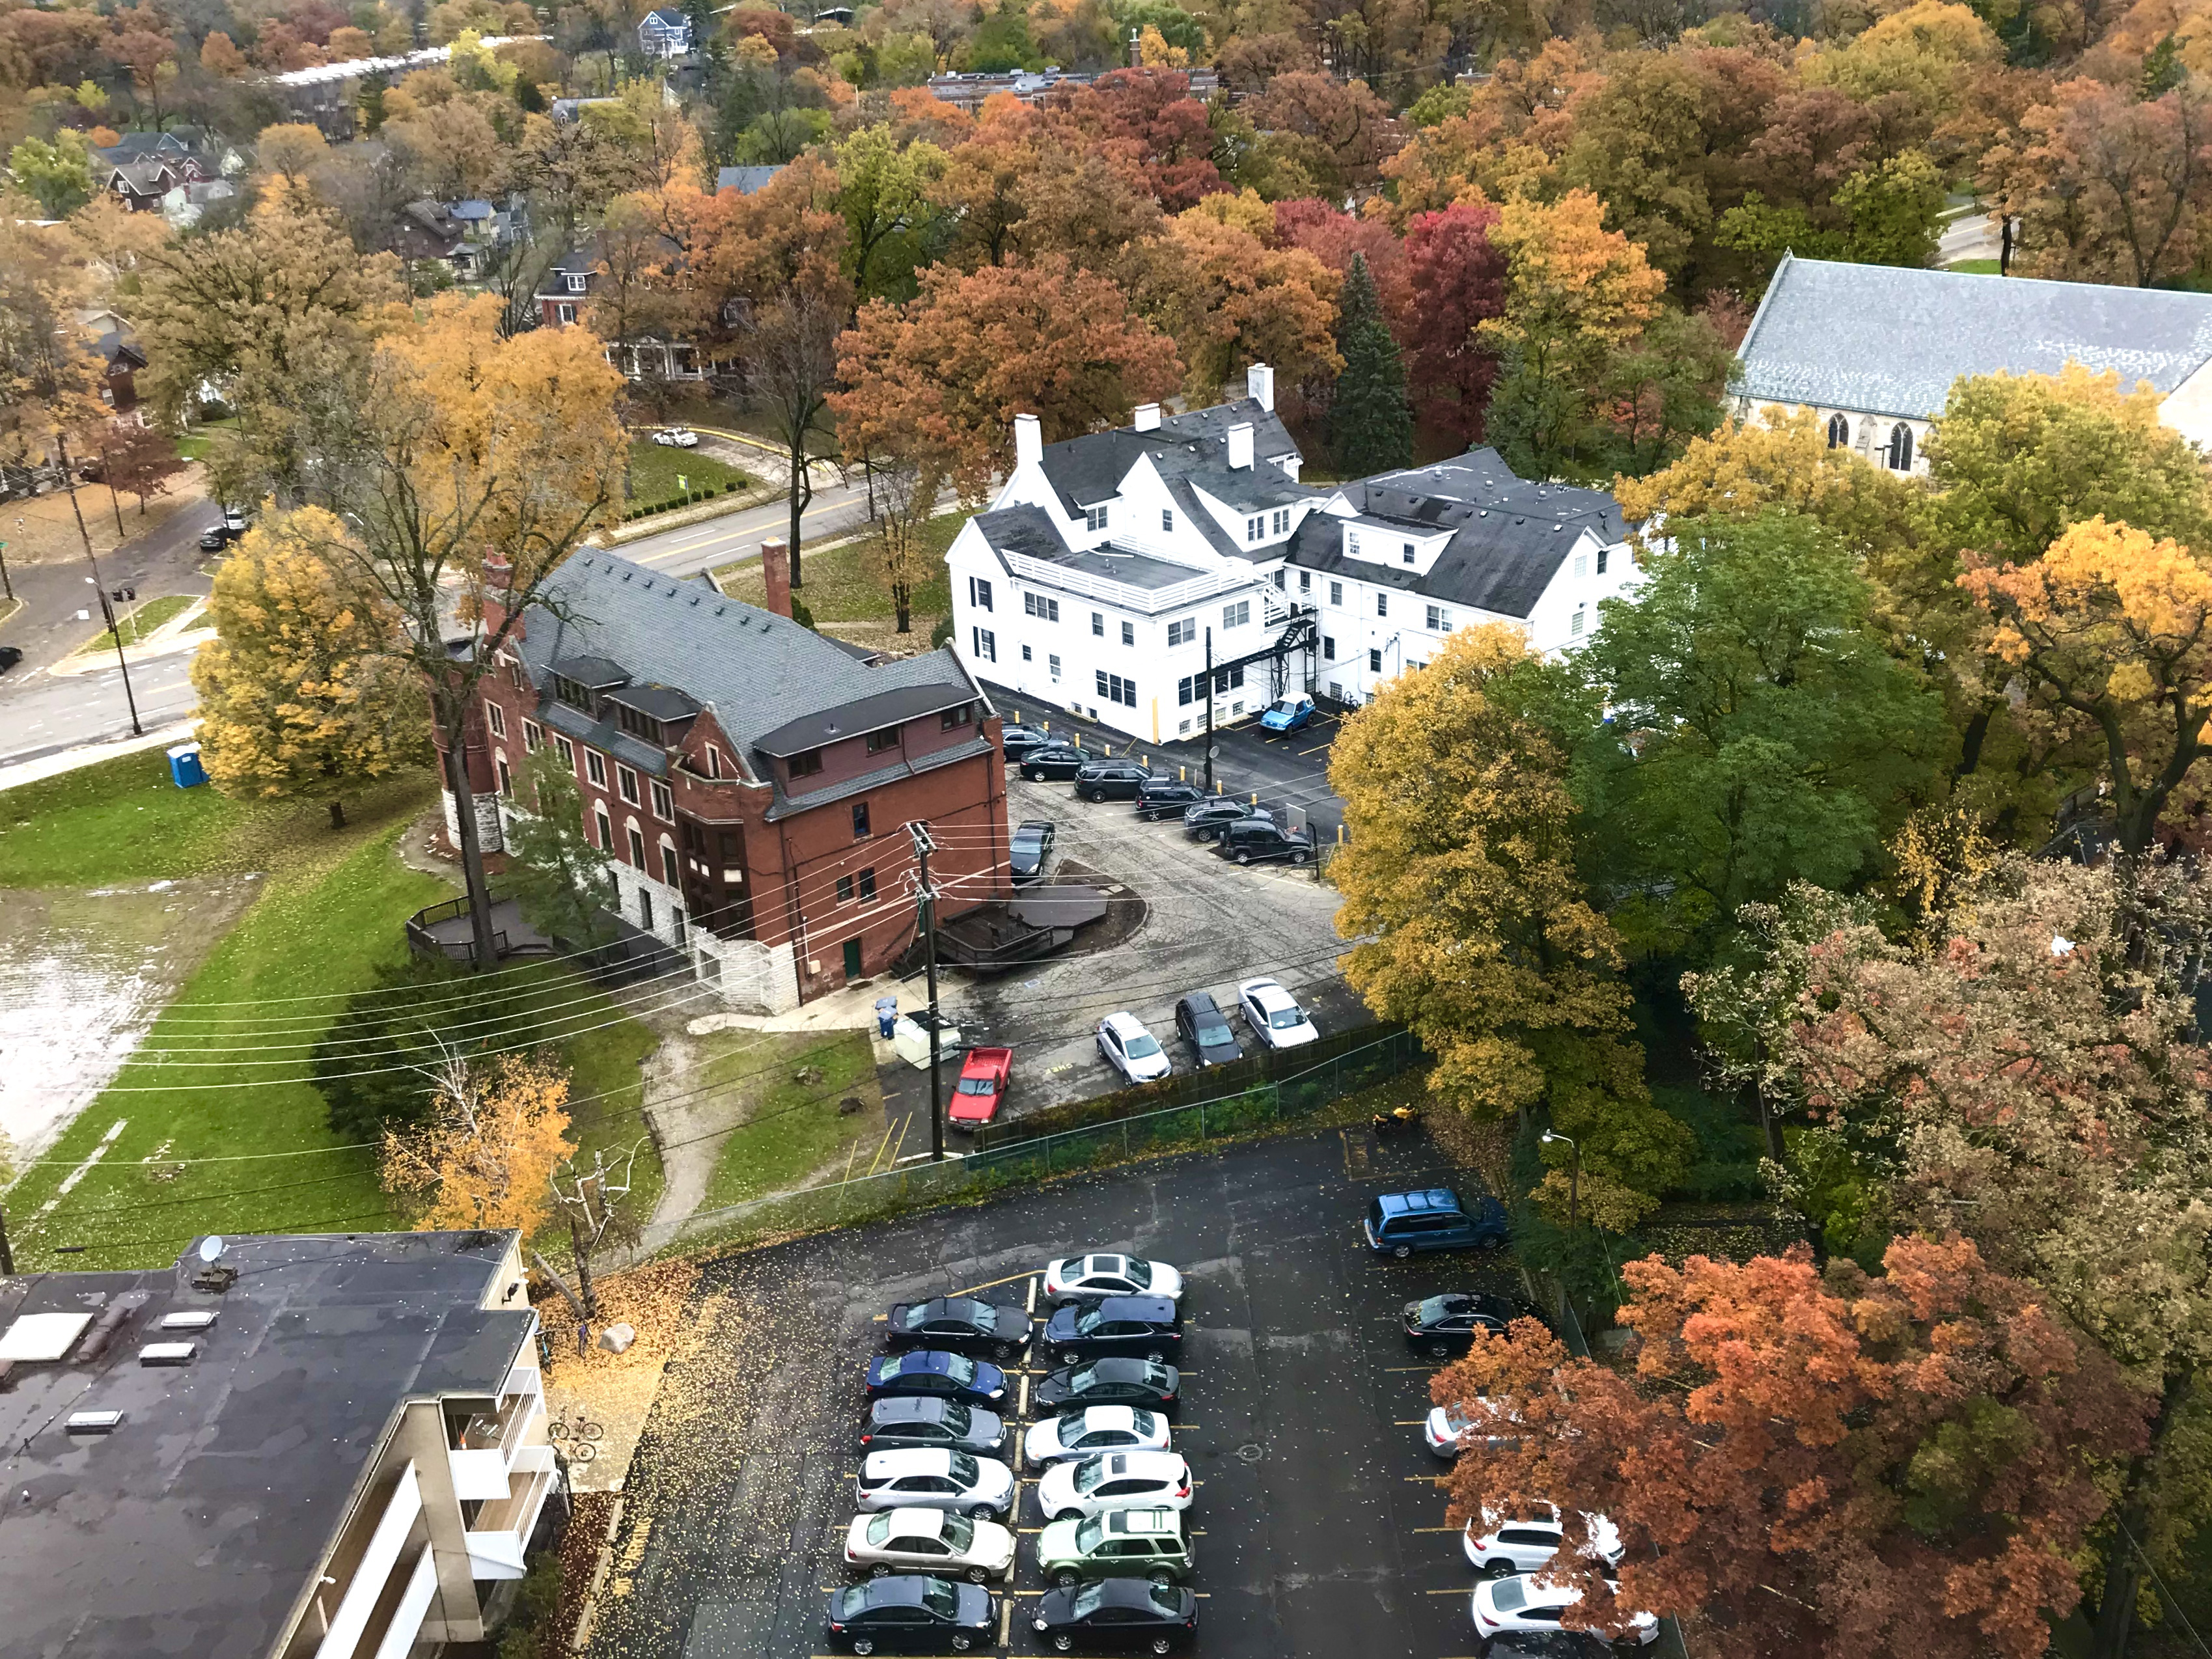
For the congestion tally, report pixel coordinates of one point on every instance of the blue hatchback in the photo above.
(938, 1375)
(1290, 714)
(1400, 1223)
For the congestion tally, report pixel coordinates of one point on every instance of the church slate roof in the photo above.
(1889, 340)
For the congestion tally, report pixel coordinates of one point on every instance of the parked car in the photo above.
(1125, 1544)
(1447, 1427)
(1274, 1015)
(1081, 1277)
(1027, 849)
(1115, 1481)
(934, 1371)
(1204, 1029)
(982, 1085)
(1285, 715)
(1093, 1429)
(929, 1541)
(1402, 1224)
(1522, 1603)
(1130, 1049)
(902, 1420)
(233, 522)
(1501, 1545)
(1117, 1612)
(958, 1324)
(1260, 840)
(1446, 1324)
(1111, 1383)
(1166, 797)
(1055, 761)
(9, 656)
(1205, 821)
(911, 1616)
(1147, 1325)
(676, 437)
(213, 540)
(978, 1487)
(1111, 780)
(1018, 741)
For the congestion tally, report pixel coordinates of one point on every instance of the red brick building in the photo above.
(750, 778)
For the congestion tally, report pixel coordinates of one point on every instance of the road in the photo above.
(693, 547)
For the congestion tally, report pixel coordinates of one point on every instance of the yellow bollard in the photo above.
(1256, 798)
(1340, 835)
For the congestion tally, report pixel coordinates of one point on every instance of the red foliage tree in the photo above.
(1147, 118)
(1332, 236)
(1455, 277)
(1871, 1468)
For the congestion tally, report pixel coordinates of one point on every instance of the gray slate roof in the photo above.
(1030, 531)
(1887, 340)
(195, 1528)
(1089, 469)
(757, 670)
(744, 180)
(1508, 536)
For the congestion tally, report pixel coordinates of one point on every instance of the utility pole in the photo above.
(69, 477)
(7, 1250)
(1209, 711)
(926, 896)
(7, 587)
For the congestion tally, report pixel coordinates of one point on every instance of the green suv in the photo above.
(1127, 1543)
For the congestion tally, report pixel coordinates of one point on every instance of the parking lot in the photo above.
(1318, 1525)
(1208, 925)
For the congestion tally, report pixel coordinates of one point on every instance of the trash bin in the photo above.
(886, 1016)
(184, 769)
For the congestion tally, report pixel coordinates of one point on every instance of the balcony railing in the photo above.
(1126, 596)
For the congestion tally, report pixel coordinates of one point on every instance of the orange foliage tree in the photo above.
(1907, 1465)
(486, 1158)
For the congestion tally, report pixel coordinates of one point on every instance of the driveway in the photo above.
(1208, 925)
(1319, 1530)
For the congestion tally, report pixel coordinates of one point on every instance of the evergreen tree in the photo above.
(1371, 423)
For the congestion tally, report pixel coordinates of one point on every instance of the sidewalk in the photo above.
(91, 754)
(181, 633)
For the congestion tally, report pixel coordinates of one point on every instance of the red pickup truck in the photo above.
(982, 1085)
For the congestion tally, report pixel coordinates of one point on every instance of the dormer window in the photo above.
(1254, 529)
(1094, 518)
(1282, 521)
(1351, 543)
(572, 692)
(576, 281)
(805, 765)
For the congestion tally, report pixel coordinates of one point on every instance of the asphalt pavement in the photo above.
(688, 549)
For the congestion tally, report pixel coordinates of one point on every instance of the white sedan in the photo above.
(931, 1479)
(1130, 1049)
(929, 1541)
(1094, 1277)
(1093, 1429)
(1522, 1603)
(1116, 1480)
(676, 437)
(1502, 1545)
(1274, 1015)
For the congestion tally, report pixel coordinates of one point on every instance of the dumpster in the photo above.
(184, 769)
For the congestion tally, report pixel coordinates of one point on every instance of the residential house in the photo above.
(1113, 568)
(329, 1446)
(748, 780)
(566, 294)
(121, 358)
(1394, 564)
(664, 31)
(468, 236)
(327, 94)
(139, 181)
(1109, 565)
(184, 205)
(1873, 350)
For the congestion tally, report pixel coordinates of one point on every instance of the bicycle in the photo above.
(579, 1439)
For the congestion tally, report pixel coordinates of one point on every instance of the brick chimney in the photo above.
(775, 571)
(498, 593)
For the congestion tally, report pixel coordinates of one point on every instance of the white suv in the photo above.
(1274, 1015)
(1525, 1603)
(1130, 1049)
(1500, 1546)
(926, 1479)
(1115, 1480)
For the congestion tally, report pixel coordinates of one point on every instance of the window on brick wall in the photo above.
(664, 803)
(533, 736)
(595, 767)
(626, 781)
(495, 718)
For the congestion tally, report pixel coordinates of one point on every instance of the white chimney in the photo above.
(1148, 418)
(1240, 446)
(1029, 440)
(1260, 385)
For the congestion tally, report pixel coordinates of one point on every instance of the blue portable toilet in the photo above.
(184, 769)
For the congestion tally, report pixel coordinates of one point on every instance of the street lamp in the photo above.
(1574, 1176)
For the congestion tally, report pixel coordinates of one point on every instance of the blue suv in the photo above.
(1400, 1223)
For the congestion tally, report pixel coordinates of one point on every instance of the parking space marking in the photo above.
(1005, 1617)
(1426, 1479)
(1438, 1530)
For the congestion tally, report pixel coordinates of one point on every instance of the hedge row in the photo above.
(691, 499)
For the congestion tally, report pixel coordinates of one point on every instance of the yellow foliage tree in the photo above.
(2110, 635)
(299, 691)
(486, 1158)
(1154, 50)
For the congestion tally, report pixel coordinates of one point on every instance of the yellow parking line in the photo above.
(1005, 1617)
(1438, 1530)
(1449, 1592)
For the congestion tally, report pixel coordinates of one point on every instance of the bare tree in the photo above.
(906, 494)
(793, 363)
(595, 1202)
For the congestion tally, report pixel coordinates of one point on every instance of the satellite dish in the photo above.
(210, 1246)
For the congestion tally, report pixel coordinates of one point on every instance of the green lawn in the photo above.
(1974, 267)
(793, 1128)
(194, 445)
(655, 469)
(142, 620)
(329, 916)
(845, 584)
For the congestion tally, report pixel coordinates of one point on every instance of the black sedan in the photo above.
(1111, 1383)
(1165, 798)
(1117, 1612)
(1111, 780)
(1205, 1028)
(1145, 1325)
(1446, 1324)
(1205, 821)
(213, 541)
(1550, 1644)
(1028, 849)
(901, 1614)
(934, 1371)
(1056, 761)
(1018, 741)
(958, 1324)
(9, 656)
(918, 1423)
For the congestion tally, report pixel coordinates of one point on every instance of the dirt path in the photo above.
(689, 1126)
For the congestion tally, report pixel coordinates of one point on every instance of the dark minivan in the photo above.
(1257, 840)
(1203, 1026)
(1401, 1224)
(1166, 797)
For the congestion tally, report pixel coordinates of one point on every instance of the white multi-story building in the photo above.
(1112, 567)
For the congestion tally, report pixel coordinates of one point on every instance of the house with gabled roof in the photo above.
(1873, 350)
